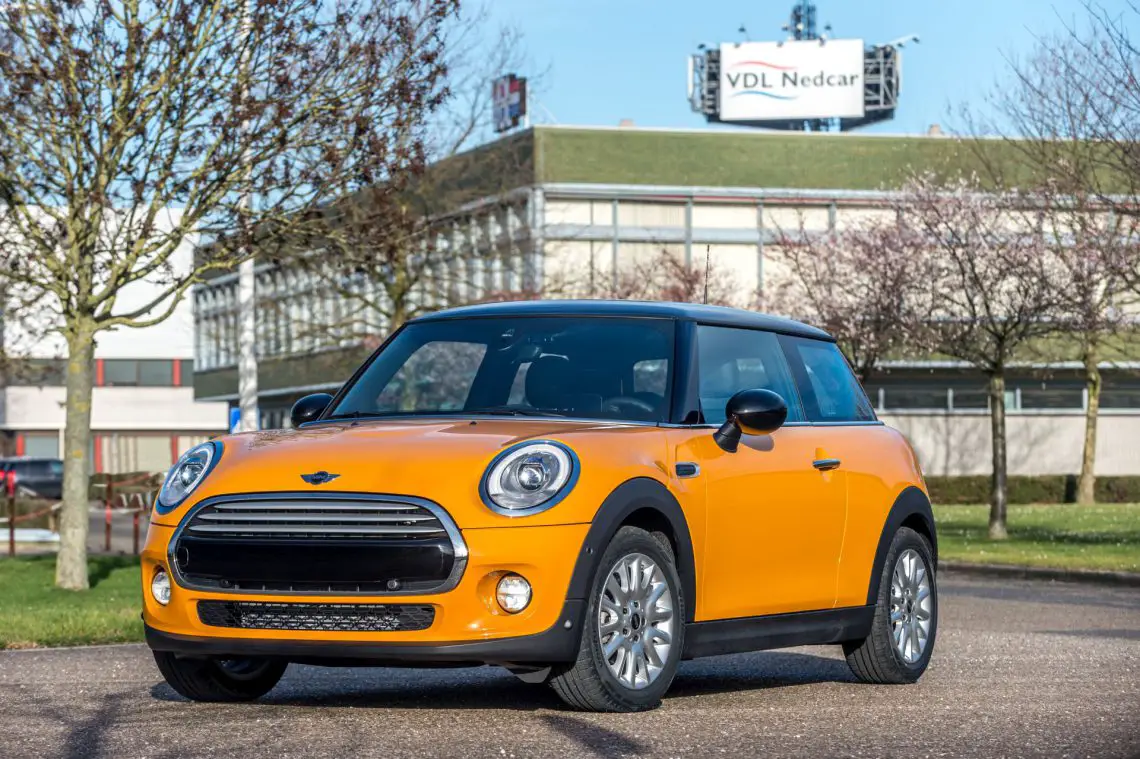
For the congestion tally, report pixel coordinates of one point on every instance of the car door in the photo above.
(774, 523)
(862, 449)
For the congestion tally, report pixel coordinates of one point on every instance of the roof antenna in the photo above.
(707, 254)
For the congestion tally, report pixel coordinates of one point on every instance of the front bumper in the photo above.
(468, 626)
(557, 644)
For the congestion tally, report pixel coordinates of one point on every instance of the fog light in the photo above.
(160, 587)
(513, 593)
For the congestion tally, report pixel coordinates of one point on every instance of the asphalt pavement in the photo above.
(1022, 668)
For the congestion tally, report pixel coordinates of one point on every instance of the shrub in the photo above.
(1057, 488)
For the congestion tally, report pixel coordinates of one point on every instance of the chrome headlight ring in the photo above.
(529, 478)
(192, 468)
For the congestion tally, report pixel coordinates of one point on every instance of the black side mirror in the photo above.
(757, 412)
(309, 408)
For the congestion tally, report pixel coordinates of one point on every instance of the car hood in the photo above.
(442, 460)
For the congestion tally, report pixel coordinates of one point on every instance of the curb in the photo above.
(1019, 572)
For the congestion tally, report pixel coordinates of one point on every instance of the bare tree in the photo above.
(867, 285)
(994, 291)
(128, 128)
(1060, 117)
(1095, 75)
(434, 253)
(1091, 250)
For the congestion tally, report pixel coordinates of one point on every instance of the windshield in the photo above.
(582, 367)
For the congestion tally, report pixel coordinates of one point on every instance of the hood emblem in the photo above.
(319, 478)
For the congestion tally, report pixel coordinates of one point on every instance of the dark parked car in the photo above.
(34, 477)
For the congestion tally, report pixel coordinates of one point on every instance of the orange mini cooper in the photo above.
(584, 493)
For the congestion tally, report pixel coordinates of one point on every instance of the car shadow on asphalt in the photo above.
(757, 671)
(493, 688)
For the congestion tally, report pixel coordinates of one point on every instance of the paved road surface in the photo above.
(122, 531)
(1021, 669)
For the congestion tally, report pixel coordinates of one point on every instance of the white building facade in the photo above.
(600, 201)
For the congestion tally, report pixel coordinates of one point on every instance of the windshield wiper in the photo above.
(511, 411)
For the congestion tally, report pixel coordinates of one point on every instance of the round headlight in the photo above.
(160, 587)
(513, 593)
(528, 478)
(187, 474)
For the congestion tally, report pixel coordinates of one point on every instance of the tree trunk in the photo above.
(71, 564)
(1086, 486)
(998, 494)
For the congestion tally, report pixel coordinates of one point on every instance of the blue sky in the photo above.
(606, 60)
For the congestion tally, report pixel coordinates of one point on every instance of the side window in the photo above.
(833, 394)
(731, 360)
(438, 376)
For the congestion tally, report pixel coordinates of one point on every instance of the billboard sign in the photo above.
(774, 81)
(508, 101)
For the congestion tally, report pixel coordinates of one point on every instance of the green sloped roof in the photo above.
(756, 159)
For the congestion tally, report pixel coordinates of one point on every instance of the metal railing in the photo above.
(135, 503)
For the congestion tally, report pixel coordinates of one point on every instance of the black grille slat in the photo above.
(254, 615)
(315, 506)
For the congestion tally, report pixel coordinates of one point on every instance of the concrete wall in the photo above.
(162, 409)
(1039, 443)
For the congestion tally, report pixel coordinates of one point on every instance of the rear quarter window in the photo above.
(829, 389)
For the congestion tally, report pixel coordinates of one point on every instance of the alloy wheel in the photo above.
(635, 621)
(912, 606)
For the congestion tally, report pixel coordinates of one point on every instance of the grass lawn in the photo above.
(33, 612)
(1105, 536)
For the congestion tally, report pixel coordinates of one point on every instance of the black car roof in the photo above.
(717, 315)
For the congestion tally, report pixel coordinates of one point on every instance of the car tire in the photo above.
(619, 617)
(219, 679)
(898, 648)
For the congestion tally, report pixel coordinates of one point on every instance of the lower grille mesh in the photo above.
(251, 615)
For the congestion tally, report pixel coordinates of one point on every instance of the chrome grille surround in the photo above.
(331, 516)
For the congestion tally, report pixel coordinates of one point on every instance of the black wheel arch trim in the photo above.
(629, 497)
(911, 502)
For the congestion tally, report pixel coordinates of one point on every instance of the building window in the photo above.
(1120, 397)
(156, 373)
(40, 372)
(899, 397)
(138, 373)
(41, 445)
(1051, 395)
(971, 397)
(120, 373)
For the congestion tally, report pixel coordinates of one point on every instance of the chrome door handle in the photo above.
(826, 465)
